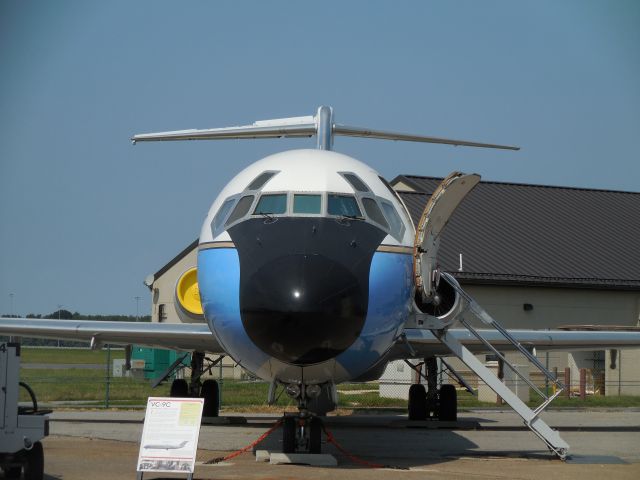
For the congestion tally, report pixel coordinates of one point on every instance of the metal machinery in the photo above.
(21, 428)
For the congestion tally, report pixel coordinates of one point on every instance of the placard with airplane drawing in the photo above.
(170, 435)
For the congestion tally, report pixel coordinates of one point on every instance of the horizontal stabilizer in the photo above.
(347, 131)
(267, 129)
(321, 125)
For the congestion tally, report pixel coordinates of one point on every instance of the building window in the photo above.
(162, 312)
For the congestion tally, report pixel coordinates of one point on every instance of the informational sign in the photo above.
(170, 435)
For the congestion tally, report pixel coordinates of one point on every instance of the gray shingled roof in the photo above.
(533, 234)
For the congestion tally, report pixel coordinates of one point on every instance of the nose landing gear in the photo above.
(302, 432)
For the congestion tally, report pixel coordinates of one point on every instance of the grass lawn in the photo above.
(67, 355)
(89, 385)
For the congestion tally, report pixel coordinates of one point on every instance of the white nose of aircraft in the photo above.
(288, 256)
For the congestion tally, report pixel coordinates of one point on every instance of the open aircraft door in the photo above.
(440, 296)
(433, 296)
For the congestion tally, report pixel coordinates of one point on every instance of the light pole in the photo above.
(59, 310)
(137, 308)
(11, 302)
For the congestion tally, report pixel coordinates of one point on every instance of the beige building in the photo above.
(536, 256)
(163, 308)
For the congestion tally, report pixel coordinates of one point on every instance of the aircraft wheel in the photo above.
(417, 402)
(12, 472)
(315, 435)
(179, 388)
(289, 435)
(210, 391)
(34, 468)
(448, 404)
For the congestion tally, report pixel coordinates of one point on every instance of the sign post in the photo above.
(170, 435)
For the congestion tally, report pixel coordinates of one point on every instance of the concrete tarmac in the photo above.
(604, 443)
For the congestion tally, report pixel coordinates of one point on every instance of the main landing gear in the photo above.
(209, 389)
(431, 402)
(302, 432)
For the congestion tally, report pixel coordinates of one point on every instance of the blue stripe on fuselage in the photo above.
(219, 284)
(390, 289)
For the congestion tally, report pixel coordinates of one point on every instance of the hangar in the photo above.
(534, 256)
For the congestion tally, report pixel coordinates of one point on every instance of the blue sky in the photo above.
(85, 216)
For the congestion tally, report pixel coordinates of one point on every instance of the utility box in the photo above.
(156, 360)
(21, 428)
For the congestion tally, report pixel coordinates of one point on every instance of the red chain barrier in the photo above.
(247, 448)
(330, 439)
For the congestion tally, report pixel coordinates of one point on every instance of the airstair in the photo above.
(428, 280)
(531, 417)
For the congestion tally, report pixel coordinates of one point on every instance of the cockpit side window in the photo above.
(395, 222)
(307, 204)
(355, 182)
(272, 204)
(374, 212)
(218, 220)
(241, 209)
(260, 180)
(403, 211)
(343, 205)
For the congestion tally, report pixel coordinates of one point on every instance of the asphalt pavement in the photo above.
(485, 444)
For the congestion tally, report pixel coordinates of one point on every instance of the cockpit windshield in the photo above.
(365, 206)
(272, 204)
(343, 205)
(307, 204)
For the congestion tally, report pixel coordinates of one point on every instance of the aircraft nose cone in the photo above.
(303, 308)
(304, 284)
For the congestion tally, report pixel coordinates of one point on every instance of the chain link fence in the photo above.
(60, 378)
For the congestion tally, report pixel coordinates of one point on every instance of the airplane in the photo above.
(310, 272)
(166, 446)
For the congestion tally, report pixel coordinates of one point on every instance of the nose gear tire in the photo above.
(289, 435)
(315, 435)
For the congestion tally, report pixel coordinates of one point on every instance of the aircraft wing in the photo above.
(423, 343)
(419, 343)
(176, 336)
